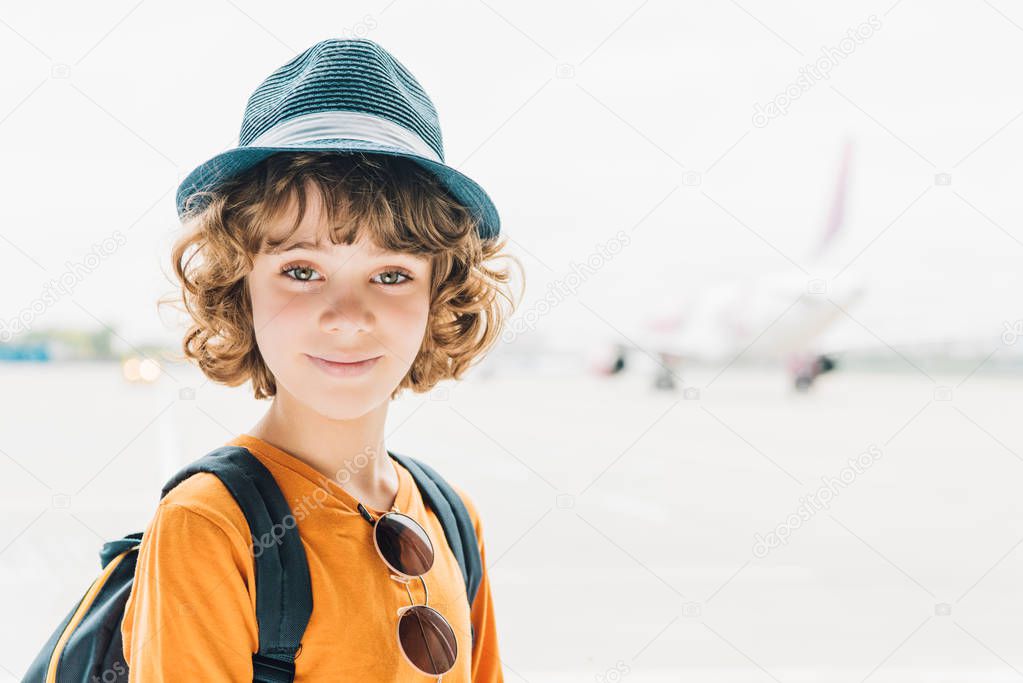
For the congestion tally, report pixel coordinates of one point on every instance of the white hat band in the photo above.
(350, 125)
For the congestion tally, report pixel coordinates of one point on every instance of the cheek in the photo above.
(270, 305)
(401, 325)
(411, 316)
(275, 316)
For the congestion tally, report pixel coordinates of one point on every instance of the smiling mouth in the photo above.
(344, 369)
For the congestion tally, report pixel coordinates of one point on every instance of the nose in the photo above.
(345, 312)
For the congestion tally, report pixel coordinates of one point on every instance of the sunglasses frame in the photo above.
(405, 579)
(454, 640)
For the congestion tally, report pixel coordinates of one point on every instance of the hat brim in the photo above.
(207, 176)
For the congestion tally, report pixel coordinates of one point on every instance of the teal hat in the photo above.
(344, 96)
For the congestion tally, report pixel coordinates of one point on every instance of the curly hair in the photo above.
(399, 205)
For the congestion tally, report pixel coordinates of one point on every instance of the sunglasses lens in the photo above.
(404, 544)
(427, 639)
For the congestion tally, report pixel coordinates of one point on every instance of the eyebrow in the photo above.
(311, 246)
(373, 250)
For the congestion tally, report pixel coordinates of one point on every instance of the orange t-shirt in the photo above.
(191, 615)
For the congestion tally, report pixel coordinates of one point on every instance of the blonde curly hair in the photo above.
(398, 205)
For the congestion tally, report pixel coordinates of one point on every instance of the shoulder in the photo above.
(204, 496)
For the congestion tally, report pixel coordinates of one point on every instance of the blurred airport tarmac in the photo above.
(621, 523)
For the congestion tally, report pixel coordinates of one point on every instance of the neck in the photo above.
(349, 452)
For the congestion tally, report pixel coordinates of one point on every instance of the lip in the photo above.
(344, 369)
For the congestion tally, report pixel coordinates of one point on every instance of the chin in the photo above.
(342, 402)
(349, 406)
(346, 412)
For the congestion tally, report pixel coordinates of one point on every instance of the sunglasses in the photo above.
(426, 638)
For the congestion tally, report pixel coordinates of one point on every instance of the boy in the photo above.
(332, 259)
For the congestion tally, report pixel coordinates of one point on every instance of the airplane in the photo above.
(778, 316)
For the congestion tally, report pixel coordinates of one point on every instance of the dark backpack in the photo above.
(87, 646)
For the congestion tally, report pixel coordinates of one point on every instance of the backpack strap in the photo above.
(454, 518)
(284, 600)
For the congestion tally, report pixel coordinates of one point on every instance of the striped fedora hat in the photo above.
(342, 96)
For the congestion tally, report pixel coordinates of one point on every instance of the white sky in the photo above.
(658, 89)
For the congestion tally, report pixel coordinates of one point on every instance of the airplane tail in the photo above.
(836, 214)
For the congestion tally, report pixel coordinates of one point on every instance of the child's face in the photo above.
(344, 302)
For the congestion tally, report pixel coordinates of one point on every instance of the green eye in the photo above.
(390, 275)
(305, 271)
